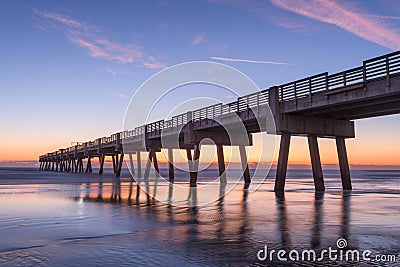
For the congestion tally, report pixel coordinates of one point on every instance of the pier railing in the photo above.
(378, 68)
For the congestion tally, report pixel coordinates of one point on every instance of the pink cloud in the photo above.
(96, 42)
(151, 63)
(65, 20)
(332, 12)
(248, 61)
(198, 39)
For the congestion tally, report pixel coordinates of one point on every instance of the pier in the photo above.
(321, 106)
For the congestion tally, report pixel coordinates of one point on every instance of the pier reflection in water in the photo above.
(236, 226)
(115, 222)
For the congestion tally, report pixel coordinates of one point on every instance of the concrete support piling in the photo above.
(89, 165)
(194, 165)
(155, 163)
(80, 165)
(221, 164)
(120, 162)
(282, 163)
(69, 165)
(101, 161)
(245, 167)
(316, 163)
(132, 166)
(139, 164)
(343, 163)
(148, 164)
(113, 163)
(171, 173)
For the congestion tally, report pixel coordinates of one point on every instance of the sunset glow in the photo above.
(69, 76)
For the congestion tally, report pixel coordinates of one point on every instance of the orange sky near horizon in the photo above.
(378, 146)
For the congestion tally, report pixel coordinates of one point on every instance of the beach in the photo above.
(68, 219)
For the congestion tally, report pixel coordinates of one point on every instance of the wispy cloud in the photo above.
(248, 61)
(96, 42)
(111, 71)
(332, 12)
(381, 16)
(198, 39)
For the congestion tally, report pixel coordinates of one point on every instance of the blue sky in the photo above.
(69, 68)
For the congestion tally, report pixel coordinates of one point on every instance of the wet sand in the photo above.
(58, 219)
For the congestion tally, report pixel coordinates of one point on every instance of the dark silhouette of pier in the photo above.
(320, 106)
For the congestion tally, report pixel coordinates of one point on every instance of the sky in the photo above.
(70, 68)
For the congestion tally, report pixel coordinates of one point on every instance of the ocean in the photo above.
(68, 219)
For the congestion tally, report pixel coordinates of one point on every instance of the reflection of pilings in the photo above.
(192, 203)
(346, 205)
(245, 227)
(137, 191)
(283, 223)
(116, 190)
(170, 193)
(87, 192)
(156, 184)
(222, 192)
(245, 167)
(130, 192)
(100, 193)
(147, 190)
(318, 217)
(192, 200)
(221, 211)
(221, 164)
